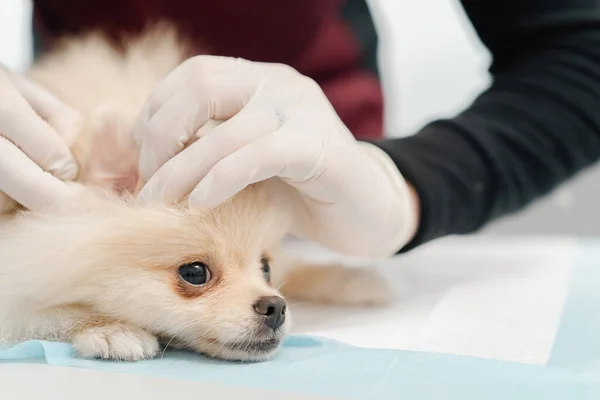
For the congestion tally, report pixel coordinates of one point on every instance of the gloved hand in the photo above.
(278, 123)
(34, 159)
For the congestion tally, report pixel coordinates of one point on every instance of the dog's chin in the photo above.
(245, 351)
(251, 349)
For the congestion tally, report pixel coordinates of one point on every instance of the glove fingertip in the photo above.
(68, 171)
(144, 195)
(7, 205)
(199, 199)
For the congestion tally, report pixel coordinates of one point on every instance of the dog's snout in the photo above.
(273, 308)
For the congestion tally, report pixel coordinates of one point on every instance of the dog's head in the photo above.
(197, 279)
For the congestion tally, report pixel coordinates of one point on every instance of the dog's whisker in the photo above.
(299, 303)
(165, 349)
(282, 284)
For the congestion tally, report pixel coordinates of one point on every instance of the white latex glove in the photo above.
(350, 195)
(34, 158)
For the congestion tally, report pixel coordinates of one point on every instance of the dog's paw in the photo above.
(363, 287)
(115, 341)
(338, 285)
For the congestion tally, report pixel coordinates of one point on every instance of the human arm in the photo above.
(347, 195)
(536, 126)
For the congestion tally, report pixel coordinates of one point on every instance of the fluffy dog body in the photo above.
(104, 272)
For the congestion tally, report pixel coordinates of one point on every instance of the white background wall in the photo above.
(432, 66)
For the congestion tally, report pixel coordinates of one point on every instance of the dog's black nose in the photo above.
(273, 308)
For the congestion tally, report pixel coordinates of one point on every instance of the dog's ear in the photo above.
(107, 154)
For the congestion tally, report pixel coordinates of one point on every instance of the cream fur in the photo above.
(101, 272)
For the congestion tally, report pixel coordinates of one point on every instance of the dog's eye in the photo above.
(266, 268)
(196, 273)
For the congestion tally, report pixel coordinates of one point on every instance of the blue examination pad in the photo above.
(323, 367)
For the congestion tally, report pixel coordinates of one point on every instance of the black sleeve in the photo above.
(536, 126)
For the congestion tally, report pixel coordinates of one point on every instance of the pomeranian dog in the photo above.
(120, 280)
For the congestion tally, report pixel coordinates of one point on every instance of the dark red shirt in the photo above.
(332, 41)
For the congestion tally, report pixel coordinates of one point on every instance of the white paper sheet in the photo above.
(489, 297)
